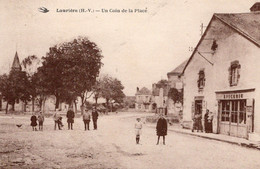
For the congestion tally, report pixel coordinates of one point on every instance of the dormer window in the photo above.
(201, 80)
(234, 73)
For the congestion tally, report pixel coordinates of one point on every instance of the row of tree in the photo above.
(68, 71)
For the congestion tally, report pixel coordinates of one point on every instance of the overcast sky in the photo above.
(138, 48)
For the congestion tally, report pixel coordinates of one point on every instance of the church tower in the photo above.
(16, 63)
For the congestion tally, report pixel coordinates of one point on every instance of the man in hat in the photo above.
(94, 117)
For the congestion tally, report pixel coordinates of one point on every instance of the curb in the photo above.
(247, 145)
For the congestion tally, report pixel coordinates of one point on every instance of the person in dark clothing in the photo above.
(34, 122)
(94, 117)
(70, 120)
(40, 120)
(161, 128)
(206, 123)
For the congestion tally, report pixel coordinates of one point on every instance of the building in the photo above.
(160, 96)
(222, 75)
(143, 99)
(175, 81)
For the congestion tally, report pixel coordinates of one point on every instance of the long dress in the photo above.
(33, 121)
(161, 127)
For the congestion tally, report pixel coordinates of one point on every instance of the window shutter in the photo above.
(238, 73)
(229, 76)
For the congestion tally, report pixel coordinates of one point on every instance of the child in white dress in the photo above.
(138, 129)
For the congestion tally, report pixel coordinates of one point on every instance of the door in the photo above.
(233, 118)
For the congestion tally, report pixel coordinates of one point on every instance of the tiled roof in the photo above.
(179, 69)
(245, 23)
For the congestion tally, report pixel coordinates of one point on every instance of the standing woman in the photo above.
(70, 120)
(161, 128)
(206, 122)
(34, 122)
(40, 120)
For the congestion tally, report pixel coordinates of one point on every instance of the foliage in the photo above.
(70, 69)
(162, 83)
(15, 87)
(112, 90)
(175, 95)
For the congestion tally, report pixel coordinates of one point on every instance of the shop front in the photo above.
(236, 112)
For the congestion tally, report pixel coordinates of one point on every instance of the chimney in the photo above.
(137, 89)
(255, 7)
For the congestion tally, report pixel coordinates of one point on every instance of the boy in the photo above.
(138, 130)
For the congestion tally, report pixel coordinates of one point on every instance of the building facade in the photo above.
(222, 75)
(143, 99)
(175, 81)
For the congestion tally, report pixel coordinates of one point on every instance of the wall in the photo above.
(231, 46)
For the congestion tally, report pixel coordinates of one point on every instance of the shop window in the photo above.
(233, 111)
(234, 73)
(201, 80)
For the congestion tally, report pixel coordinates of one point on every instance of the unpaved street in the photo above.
(113, 146)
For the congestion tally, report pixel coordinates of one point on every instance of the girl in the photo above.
(34, 122)
(138, 130)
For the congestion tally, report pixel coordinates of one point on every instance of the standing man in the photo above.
(86, 119)
(70, 120)
(56, 118)
(94, 117)
(161, 128)
(40, 120)
(206, 124)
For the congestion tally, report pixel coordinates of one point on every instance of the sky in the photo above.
(139, 48)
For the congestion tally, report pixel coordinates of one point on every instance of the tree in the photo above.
(82, 65)
(71, 69)
(175, 95)
(30, 65)
(162, 83)
(112, 90)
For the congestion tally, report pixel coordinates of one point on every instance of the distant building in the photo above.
(159, 97)
(143, 99)
(222, 75)
(175, 81)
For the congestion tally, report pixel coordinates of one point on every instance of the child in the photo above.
(33, 122)
(40, 120)
(60, 123)
(138, 130)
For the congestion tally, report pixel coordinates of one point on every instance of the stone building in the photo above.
(143, 99)
(175, 81)
(222, 75)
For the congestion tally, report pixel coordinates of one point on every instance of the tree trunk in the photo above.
(57, 102)
(13, 104)
(75, 104)
(6, 108)
(96, 99)
(43, 105)
(33, 104)
(0, 103)
(24, 107)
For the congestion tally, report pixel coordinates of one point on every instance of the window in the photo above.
(234, 75)
(233, 111)
(201, 80)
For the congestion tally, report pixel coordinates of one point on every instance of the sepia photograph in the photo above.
(133, 84)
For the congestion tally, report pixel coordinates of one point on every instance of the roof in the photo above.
(16, 63)
(246, 24)
(144, 91)
(178, 70)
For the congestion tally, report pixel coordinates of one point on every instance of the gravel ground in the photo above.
(113, 146)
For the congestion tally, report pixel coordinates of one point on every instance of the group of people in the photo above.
(197, 122)
(34, 120)
(70, 119)
(161, 129)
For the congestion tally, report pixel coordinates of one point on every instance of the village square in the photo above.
(75, 105)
